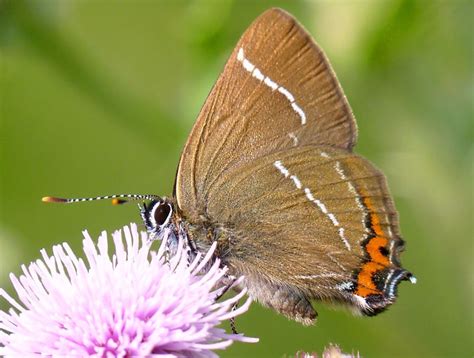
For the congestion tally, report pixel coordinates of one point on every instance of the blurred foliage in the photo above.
(98, 97)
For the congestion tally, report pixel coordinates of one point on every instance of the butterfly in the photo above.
(269, 174)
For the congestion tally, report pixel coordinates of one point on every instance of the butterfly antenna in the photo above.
(117, 199)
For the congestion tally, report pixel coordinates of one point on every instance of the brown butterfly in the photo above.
(269, 174)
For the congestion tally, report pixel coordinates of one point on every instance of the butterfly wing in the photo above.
(277, 91)
(317, 221)
(270, 161)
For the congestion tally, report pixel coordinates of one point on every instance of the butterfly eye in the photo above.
(161, 213)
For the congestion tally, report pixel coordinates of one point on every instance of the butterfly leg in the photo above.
(230, 280)
(232, 320)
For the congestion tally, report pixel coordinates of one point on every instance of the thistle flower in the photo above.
(332, 351)
(132, 303)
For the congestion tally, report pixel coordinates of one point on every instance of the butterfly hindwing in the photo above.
(306, 216)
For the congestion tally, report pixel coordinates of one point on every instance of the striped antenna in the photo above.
(117, 199)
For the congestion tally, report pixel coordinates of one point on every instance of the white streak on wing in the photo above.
(392, 248)
(270, 83)
(393, 284)
(387, 279)
(333, 219)
(324, 209)
(240, 54)
(296, 181)
(343, 238)
(283, 170)
(322, 275)
(300, 112)
(286, 93)
(340, 171)
(250, 67)
(389, 231)
(324, 155)
(345, 286)
(258, 75)
(354, 192)
(308, 193)
(295, 138)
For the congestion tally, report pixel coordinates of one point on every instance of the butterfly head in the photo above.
(157, 216)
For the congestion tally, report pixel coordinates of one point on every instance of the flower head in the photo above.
(133, 303)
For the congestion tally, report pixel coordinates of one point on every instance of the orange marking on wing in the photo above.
(378, 241)
(365, 284)
(373, 248)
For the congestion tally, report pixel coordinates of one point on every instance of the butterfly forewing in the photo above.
(270, 163)
(277, 91)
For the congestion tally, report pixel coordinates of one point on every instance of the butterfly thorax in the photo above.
(201, 235)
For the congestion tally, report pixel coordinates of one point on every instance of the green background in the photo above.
(98, 97)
